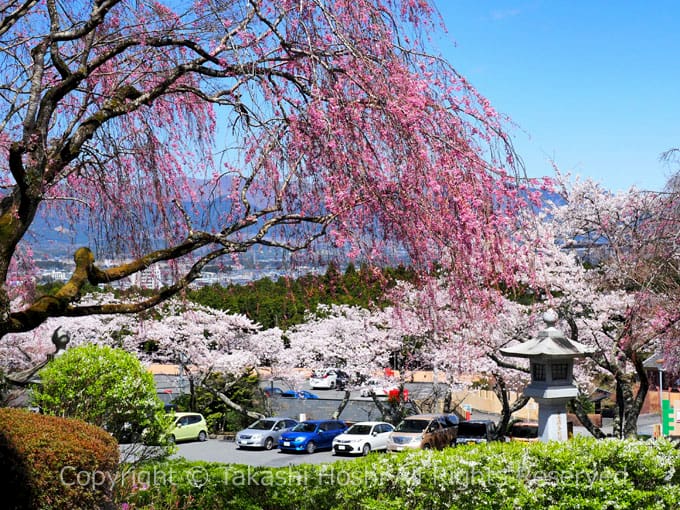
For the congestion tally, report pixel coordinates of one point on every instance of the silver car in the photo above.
(264, 433)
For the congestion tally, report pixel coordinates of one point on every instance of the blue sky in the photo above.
(594, 85)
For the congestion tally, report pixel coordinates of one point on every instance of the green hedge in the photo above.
(48, 462)
(583, 473)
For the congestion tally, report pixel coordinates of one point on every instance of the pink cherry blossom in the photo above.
(191, 131)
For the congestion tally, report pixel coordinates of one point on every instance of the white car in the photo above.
(380, 388)
(328, 378)
(362, 438)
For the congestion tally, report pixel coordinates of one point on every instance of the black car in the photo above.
(475, 431)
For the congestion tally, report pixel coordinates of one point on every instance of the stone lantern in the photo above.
(551, 357)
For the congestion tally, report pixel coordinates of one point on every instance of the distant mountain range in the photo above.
(55, 241)
(52, 240)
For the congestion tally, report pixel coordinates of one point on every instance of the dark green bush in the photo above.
(47, 462)
(582, 473)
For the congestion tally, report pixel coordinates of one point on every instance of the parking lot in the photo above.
(219, 450)
(224, 450)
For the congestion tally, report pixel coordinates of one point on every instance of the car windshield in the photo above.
(466, 429)
(262, 425)
(304, 427)
(362, 430)
(412, 426)
(525, 431)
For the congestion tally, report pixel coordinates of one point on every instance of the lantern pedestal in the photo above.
(552, 420)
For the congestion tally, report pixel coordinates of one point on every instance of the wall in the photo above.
(487, 402)
(356, 410)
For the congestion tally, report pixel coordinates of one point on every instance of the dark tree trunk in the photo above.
(501, 391)
(630, 402)
(343, 404)
(585, 420)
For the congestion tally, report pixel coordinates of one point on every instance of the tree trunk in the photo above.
(629, 401)
(233, 405)
(500, 389)
(343, 404)
(585, 420)
(192, 394)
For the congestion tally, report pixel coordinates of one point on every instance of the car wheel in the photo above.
(311, 447)
(332, 385)
(268, 443)
(426, 447)
(202, 436)
(171, 439)
(366, 449)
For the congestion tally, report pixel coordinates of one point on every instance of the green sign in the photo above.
(666, 417)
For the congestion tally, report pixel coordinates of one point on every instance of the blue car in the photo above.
(298, 394)
(308, 436)
(270, 391)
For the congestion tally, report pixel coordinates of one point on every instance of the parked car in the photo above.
(380, 388)
(271, 391)
(475, 431)
(362, 438)
(298, 394)
(329, 378)
(310, 435)
(264, 433)
(525, 431)
(424, 431)
(187, 427)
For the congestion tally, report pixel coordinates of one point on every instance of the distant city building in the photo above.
(162, 274)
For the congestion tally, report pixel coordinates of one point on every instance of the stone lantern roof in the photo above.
(549, 342)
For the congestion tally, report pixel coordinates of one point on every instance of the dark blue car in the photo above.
(309, 435)
(298, 394)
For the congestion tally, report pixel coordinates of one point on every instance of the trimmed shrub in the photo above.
(48, 462)
(106, 387)
(582, 473)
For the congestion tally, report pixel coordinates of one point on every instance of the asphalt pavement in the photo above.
(225, 451)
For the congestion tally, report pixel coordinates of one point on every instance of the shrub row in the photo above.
(48, 462)
(582, 473)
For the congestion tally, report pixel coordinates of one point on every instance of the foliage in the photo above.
(42, 456)
(581, 473)
(287, 301)
(482, 383)
(104, 386)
